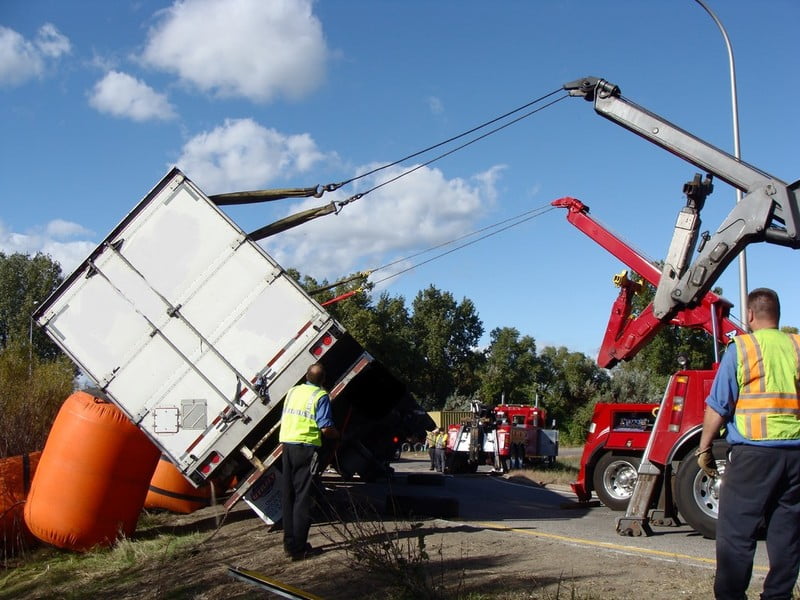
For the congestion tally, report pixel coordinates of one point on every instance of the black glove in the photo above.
(705, 460)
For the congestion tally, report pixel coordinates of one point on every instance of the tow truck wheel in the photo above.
(614, 478)
(697, 496)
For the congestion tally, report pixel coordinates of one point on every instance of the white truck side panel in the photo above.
(176, 315)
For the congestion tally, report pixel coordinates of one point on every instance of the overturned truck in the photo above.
(196, 333)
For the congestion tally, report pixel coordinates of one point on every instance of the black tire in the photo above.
(697, 496)
(614, 478)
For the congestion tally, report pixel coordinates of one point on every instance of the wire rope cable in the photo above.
(360, 195)
(507, 224)
(455, 137)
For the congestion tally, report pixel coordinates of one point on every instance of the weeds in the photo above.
(31, 393)
(399, 554)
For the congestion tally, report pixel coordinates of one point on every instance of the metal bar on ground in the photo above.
(271, 585)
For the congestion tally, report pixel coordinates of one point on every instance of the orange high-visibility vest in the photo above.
(768, 374)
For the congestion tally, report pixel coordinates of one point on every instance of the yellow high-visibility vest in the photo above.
(298, 421)
(768, 374)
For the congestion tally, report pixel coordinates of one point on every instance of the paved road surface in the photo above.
(551, 513)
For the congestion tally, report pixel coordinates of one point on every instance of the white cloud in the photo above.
(241, 154)
(61, 229)
(121, 95)
(417, 212)
(51, 42)
(22, 60)
(53, 238)
(435, 105)
(249, 48)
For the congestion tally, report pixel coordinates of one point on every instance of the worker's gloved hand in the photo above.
(705, 460)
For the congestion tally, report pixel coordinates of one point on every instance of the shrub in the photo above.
(31, 393)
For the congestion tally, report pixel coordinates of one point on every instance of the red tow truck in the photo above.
(668, 484)
(496, 436)
(619, 432)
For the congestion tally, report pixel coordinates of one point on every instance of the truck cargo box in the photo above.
(196, 333)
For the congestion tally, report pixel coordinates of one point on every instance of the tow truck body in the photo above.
(495, 437)
(619, 432)
(769, 212)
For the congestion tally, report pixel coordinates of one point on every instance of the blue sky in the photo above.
(100, 99)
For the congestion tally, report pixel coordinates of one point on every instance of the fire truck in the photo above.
(498, 436)
(668, 484)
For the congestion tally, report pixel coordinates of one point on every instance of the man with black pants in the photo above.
(306, 419)
(756, 396)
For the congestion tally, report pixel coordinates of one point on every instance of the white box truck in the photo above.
(196, 333)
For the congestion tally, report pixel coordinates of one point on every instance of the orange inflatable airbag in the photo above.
(16, 473)
(92, 478)
(171, 491)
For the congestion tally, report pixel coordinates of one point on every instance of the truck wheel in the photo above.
(614, 479)
(697, 496)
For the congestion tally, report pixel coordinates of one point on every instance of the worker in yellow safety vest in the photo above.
(306, 419)
(430, 442)
(756, 397)
(440, 443)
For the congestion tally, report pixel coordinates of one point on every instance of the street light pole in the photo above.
(736, 152)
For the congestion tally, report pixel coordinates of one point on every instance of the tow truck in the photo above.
(619, 432)
(489, 436)
(667, 478)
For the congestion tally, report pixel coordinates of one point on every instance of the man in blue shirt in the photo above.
(756, 397)
(306, 419)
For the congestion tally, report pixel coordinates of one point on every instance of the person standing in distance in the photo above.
(306, 419)
(756, 396)
(430, 442)
(440, 458)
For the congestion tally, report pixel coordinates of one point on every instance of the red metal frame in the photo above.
(625, 335)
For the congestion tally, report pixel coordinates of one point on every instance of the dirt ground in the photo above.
(464, 560)
(467, 559)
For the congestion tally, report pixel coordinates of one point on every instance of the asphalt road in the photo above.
(544, 512)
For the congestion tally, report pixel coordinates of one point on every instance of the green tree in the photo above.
(35, 377)
(445, 334)
(569, 381)
(25, 282)
(510, 369)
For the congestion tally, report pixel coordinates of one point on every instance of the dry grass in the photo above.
(31, 393)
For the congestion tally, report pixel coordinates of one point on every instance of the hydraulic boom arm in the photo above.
(625, 335)
(768, 212)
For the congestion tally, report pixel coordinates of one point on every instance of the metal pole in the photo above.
(736, 153)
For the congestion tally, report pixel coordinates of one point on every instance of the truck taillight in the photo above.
(212, 461)
(323, 345)
(678, 396)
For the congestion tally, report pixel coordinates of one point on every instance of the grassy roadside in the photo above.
(145, 567)
(48, 572)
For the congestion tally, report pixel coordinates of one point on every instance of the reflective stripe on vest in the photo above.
(298, 421)
(768, 373)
